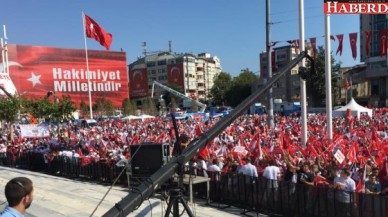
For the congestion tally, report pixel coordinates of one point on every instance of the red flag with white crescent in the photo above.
(383, 42)
(340, 44)
(353, 44)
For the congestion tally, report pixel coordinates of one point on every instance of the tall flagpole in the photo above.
(87, 69)
(329, 109)
(269, 64)
(5, 63)
(3, 55)
(303, 94)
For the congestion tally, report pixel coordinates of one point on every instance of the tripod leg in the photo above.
(187, 208)
(168, 210)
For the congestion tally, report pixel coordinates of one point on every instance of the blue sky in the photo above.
(233, 30)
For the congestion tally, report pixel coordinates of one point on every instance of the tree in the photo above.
(222, 85)
(104, 107)
(126, 106)
(241, 87)
(65, 108)
(9, 109)
(84, 108)
(169, 98)
(149, 107)
(316, 91)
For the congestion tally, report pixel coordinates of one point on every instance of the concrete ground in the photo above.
(59, 197)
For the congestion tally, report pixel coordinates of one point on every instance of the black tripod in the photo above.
(176, 192)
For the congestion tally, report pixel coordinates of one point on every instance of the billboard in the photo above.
(175, 75)
(36, 70)
(138, 83)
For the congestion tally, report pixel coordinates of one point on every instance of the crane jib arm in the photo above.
(203, 106)
(146, 189)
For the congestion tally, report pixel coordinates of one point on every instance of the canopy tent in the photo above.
(144, 116)
(131, 117)
(355, 109)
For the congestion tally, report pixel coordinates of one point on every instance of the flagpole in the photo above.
(3, 54)
(87, 68)
(329, 109)
(303, 97)
(5, 64)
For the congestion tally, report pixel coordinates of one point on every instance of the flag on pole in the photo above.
(95, 31)
(347, 85)
(353, 44)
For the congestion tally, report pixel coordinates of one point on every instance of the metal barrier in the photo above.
(287, 199)
(70, 167)
(251, 194)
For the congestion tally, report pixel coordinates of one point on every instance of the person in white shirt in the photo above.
(344, 195)
(213, 167)
(248, 169)
(272, 174)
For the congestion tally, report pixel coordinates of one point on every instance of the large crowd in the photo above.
(355, 159)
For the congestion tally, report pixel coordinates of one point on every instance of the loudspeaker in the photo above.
(147, 158)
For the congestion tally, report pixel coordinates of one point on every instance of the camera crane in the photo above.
(146, 189)
(178, 94)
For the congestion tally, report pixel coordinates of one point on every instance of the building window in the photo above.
(162, 62)
(150, 64)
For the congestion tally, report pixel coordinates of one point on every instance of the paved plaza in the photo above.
(59, 197)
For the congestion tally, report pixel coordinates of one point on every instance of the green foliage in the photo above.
(316, 90)
(84, 108)
(242, 87)
(129, 107)
(65, 108)
(9, 109)
(104, 107)
(220, 89)
(170, 98)
(149, 106)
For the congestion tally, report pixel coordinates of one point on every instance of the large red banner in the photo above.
(139, 83)
(36, 70)
(175, 75)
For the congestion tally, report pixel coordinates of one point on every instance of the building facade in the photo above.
(288, 87)
(190, 74)
(374, 75)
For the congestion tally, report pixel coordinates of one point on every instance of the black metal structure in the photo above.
(146, 189)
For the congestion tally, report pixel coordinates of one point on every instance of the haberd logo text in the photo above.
(356, 7)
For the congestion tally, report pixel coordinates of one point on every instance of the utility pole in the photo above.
(269, 62)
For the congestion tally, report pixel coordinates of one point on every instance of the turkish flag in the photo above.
(383, 42)
(295, 43)
(367, 42)
(353, 44)
(175, 75)
(313, 42)
(94, 30)
(340, 44)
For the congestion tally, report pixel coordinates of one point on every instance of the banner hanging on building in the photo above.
(138, 83)
(36, 70)
(175, 75)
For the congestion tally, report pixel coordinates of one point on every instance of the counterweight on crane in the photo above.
(178, 94)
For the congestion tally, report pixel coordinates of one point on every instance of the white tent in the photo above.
(355, 108)
(131, 117)
(144, 116)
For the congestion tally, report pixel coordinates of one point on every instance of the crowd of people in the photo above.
(355, 159)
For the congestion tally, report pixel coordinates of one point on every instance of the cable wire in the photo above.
(114, 182)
